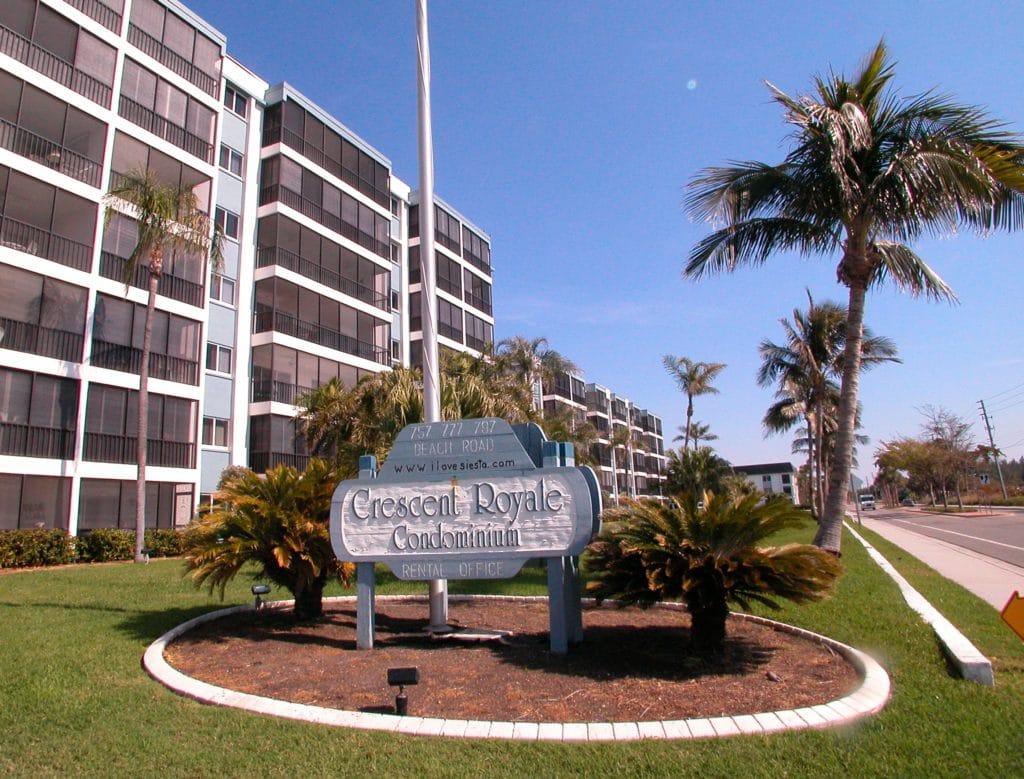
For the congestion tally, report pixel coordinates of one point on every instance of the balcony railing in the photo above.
(117, 357)
(99, 12)
(276, 391)
(53, 67)
(310, 331)
(262, 461)
(50, 154)
(276, 133)
(293, 199)
(106, 448)
(166, 56)
(475, 261)
(451, 286)
(33, 240)
(44, 341)
(275, 255)
(478, 302)
(449, 331)
(113, 267)
(158, 125)
(32, 441)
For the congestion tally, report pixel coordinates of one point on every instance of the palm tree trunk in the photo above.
(812, 499)
(830, 531)
(142, 440)
(689, 418)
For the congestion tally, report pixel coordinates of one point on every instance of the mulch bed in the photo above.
(634, 664)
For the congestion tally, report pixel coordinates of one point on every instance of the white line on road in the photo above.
(962, 535)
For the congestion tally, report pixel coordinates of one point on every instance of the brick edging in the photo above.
(870, 698)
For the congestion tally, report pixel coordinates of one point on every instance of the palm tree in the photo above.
(699, 431)
(535, 362)
(806, 368)
(868, 173)
(277, 521)
(696, 471)
(169, 218)
(650, 552)
(694, 378)
(620, 438)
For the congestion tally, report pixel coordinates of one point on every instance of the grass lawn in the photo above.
(75, 700)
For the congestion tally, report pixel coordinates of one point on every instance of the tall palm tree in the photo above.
(694, 378)
(169, 218)
(868, 173)
(535, 361)
(807, 367)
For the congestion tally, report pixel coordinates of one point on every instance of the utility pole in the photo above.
(992, 443)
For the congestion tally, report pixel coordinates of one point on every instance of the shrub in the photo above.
(30, 548)
(163, 542)
(106, 544)
(706, 557)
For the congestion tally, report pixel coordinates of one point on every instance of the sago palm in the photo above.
(277, 521)
(707, 558)
(169, 218)
(869, 172)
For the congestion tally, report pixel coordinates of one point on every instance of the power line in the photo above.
(1009, 405)
(997, 394)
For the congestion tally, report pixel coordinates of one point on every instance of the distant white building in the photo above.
(772, 478)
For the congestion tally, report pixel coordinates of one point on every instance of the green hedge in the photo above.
(32, 548)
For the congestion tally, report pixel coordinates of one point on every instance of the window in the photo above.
(218, 358)
(235, 100)
(449, 320)
(222, 289)
(230, 160)
(215, 431)
(227, 222)
(396, 301)
(34, 501)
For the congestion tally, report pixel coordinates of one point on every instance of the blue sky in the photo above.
(568, 131)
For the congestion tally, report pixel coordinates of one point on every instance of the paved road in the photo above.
(1000, 536)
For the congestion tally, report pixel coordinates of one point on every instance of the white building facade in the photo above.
(315, 282)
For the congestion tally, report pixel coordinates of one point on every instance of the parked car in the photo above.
(867, 502)
(907, 502)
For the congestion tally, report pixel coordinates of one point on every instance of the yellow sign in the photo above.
(1013, 614)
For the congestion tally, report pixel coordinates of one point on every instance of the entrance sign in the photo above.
(465, 500)
(446, 528)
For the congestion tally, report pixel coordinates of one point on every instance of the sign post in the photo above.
(464, 500)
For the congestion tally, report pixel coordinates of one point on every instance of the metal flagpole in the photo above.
(428, 295)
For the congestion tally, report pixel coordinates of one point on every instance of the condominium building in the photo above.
(628, 454)
(320, 246)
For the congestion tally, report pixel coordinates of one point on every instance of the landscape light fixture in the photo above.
(258, 590)
(400, 677)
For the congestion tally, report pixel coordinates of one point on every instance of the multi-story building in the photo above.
(629, 453)
(315, 282)
(771, 478)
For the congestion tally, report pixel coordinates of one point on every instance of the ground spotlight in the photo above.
(258, 590)
(400, 677)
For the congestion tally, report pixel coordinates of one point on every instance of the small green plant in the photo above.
(105, 545)
(163, 542)
(279, 521)
(35, 547)
(707, 557)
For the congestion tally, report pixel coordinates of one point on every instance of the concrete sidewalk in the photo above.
(991, 580)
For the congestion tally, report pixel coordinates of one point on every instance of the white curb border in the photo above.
(869, 698)
(968, 659)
